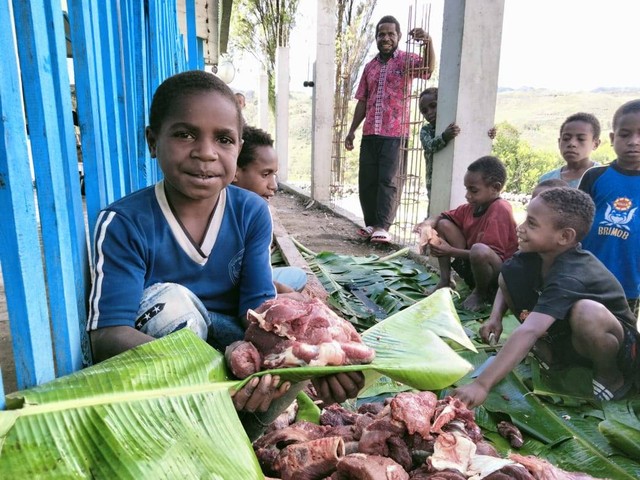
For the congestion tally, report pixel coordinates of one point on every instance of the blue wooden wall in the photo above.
(122, 50)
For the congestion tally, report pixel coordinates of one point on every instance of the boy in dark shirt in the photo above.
(572, 309)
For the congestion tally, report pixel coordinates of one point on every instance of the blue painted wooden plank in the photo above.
(110, 62)
(88, 111)
(192, 38)
(155, 62)
(99, 71)
(47, 132)
(127, 85)
(143, 91)
(75, 211)
(22, 267)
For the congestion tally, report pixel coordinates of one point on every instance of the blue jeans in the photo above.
(293, 277)
(168, 307)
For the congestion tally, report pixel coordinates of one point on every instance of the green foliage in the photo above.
(260, 27)
(604, 154)
(524, 165)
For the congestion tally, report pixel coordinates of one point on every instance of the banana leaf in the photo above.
(621, 426)
(308, 411)
(408, 347)
(152, 412)
(393, 282)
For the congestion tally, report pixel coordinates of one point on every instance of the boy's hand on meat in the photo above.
(472, 394)
(427, 235)
(339, 387)
(257, 395)
(438, 247)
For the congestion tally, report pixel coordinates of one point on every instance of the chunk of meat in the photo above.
(415, 411)
(312, 320)
(451, 408)
(311, 460)
(426, 473)
(452, 451)
(510, 472)
(359, 466)
(290, 333)
(243, 359)
(297, 433)
(336, 415)
(511, 433)
(543, 470)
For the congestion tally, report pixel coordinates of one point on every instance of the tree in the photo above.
(524, 165)
(354, 37)
(260, 27)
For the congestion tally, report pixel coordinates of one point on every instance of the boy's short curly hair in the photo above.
(631, 106)
(586, 118)
(253, 138)
(552, 182)
(491, 169)
(429, 91)
(573, 208)
(178, 86)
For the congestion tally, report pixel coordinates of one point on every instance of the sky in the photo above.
(568, 45)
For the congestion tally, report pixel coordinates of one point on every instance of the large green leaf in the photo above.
(152, 412)
(621, 426)
(408, 347)
(393, 282)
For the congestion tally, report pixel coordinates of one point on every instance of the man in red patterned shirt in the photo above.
(383, 106)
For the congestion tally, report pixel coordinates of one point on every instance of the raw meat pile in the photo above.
(289, 333)
(412, 436)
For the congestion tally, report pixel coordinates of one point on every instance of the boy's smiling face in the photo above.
(259, 176)
(538, 232)
(197, 146)
(626, 141)
(576, 141)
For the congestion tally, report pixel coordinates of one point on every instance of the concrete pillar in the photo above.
(323, 96)
(263, 102)
(282, 112)
(467, 91)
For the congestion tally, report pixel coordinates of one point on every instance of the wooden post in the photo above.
(467, 91)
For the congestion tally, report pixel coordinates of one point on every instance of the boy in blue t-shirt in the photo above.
(193, 250)
(615, 190)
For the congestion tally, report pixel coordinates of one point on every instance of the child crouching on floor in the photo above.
(572, 309)
(479, 235)
(256, 172)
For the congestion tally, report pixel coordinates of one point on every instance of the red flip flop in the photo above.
(365, 232)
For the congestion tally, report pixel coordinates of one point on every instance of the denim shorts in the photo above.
(168, 307)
